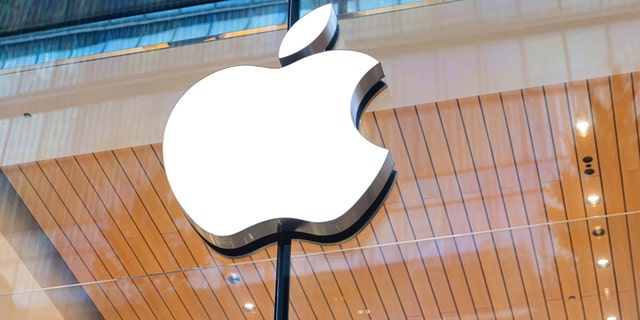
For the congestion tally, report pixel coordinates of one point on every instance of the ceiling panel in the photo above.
(488, 219)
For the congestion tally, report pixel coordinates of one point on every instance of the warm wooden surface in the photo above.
(509, 162)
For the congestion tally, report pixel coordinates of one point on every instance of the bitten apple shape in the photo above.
(254, 154)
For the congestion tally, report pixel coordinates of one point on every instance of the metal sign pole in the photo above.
(283, 268)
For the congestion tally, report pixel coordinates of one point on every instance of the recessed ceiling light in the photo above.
(603, 263)
(364, 311)
(233, 278)
(612, 318)
(583, 128)
(593, 199)
(249, 307)
(598, 231)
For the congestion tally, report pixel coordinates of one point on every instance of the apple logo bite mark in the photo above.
(256, 154)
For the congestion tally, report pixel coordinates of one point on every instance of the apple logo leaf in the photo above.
(255, 154)
(316, 32)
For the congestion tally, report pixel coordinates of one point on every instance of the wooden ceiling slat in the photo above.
(628, 305)
(598, 97)
(170, 297)
(102, 268)
(492, 273)
(90, 201)
(106, 195)
(556, 309)
(331, 293)
(263, 273)
(481, 295)
(523, 153)
(562, 242)
(223, 294)
(200, 255)
(311, 288)
(576, 272)
(157, 149)
(493, 204)
(133, 294)
(380, 273)
(443, 171)
(592, 308)
(606, 129)
(83, 274)
(136, 298)
(153, 168)
(583, 257)
(362, 275)
(419, 161)
(149, 199)
(511, 194)
(453, 207)
(438, 279)
(540, 131)
(530, 273)
(399, 225)
(457, 145)
(134, 208)
(620, 253)
(352, 291)
(458, 279)
(413, 221)
(185, 290)
(527, 169)
(397, 260)
(101, 301)
(37, 208)
(625, 121)
(331, 290)
(100, 252)
(140, 246)
(71, 201)
(119, 300)
(419, 164)
(146, 194)
(482, 158)
(487, 261)
(420, 280)
(153, 298)
(304, 307)
(198, 282)
(500, 140)
(579, 103)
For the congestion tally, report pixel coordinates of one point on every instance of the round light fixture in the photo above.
(583, 128)
(612, 318)
(603, 263)
(233, 278)
(598, 231)
(249, 307)
(364, 311)
(593, 199)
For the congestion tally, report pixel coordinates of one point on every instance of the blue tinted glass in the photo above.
(193, 27)
(88, 43)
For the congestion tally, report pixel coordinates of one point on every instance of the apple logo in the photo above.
(255, 154)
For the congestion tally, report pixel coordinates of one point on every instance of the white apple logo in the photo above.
(253, 154)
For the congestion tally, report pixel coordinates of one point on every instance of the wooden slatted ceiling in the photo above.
(510, 163)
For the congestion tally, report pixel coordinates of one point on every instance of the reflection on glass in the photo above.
(506, 273)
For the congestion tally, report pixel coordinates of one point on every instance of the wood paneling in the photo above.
(487, 220)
